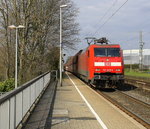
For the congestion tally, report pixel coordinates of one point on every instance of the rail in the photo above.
(15, 105)
(145, 79)
(138, 83)
(137, 115)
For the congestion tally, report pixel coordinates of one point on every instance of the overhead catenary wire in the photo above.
(135, 37)
(99, 28)
(131, 39)
(108, 10)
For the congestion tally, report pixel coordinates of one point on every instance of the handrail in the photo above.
(2, 93)
(20, 88)
(15, 104)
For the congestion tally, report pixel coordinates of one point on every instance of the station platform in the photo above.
(77, 106)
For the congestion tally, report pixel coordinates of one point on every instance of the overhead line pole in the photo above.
(141, 51)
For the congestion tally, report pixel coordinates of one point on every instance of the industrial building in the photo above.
(132, 57)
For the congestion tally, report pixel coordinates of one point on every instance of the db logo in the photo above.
(107, 63)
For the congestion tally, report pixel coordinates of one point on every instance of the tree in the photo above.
(38, 42)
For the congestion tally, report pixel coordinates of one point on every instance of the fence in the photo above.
(1, 93)
(15, 105)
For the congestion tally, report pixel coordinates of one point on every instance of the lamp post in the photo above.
(16, 55)
(60, 59)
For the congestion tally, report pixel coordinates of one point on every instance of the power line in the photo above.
(110, 17)
(114, 3)
(108, 10)
(135, 37)
(131, 39)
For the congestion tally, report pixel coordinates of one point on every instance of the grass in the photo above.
(137, 73)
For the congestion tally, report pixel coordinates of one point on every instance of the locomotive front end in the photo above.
(108, 66)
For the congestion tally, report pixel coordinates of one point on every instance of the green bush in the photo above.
(1, 87)
(7, 85)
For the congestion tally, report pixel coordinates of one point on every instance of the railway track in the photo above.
(145, 84)
(137, 109)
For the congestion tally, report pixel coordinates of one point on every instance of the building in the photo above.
(132, 57)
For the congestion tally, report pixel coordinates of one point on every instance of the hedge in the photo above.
(7, 85)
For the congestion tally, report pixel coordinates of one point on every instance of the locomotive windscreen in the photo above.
(107, 52)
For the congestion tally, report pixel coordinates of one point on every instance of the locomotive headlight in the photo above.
(97, 69)
(118, 70)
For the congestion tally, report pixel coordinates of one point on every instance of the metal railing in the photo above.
(16, 104)
(1, 93)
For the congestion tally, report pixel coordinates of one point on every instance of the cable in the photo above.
(110, 17)
(109, 10)
(114, 3)
(131, 39)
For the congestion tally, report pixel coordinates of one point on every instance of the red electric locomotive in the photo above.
(99, 64)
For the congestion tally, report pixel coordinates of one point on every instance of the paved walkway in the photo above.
(76, 106)
(71, 111)
(43, 109)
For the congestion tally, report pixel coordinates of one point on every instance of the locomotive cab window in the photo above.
(113, 52)
(100, 52)
(107, 52)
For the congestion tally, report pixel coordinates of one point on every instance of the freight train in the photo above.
(100, 65)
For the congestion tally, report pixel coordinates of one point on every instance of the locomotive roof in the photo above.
(104, 45)
(92, 45)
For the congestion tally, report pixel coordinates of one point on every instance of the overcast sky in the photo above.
(123, 28)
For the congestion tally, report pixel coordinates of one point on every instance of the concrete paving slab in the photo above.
(70, 111)
(38, 117)
(113, 117)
